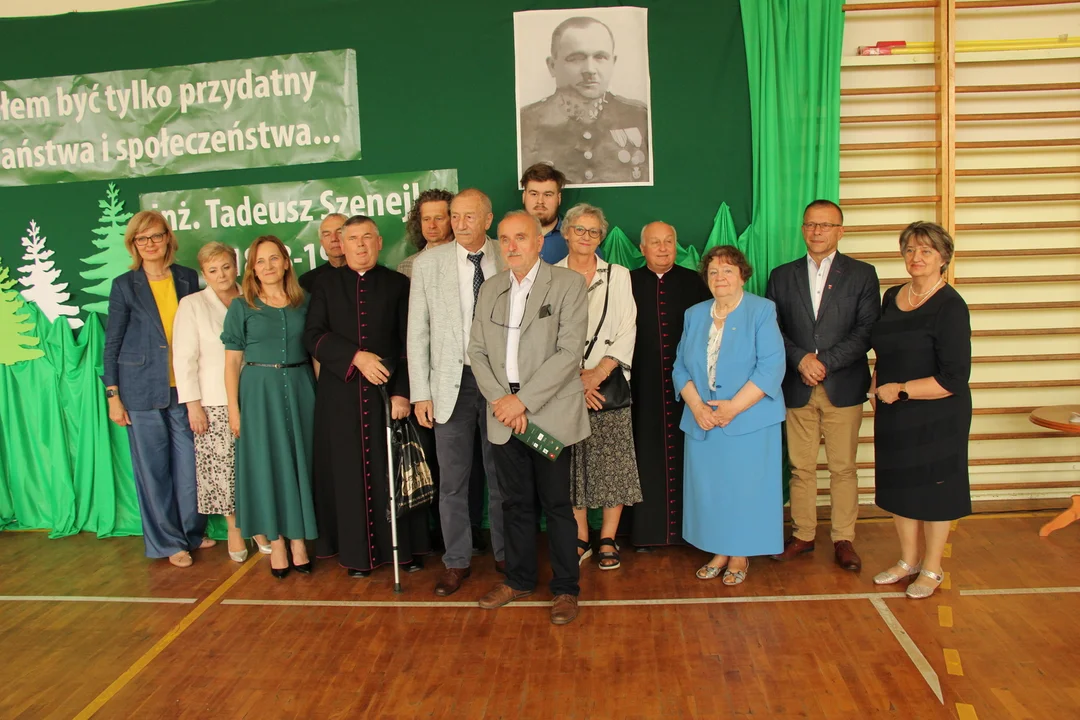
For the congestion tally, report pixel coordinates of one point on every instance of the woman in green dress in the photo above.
(276, 394)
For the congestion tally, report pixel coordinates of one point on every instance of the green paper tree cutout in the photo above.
(17, 340)
(114, 259)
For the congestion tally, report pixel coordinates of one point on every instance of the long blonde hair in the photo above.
(251, 286)
(140, 222)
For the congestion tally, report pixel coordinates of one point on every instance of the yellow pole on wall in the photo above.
(945, 71)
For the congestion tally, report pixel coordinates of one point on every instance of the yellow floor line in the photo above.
(952, 662)
(147, 657)
(966, 712)
(947, 552)
(944, 616)
(946, 583)
(953, 525)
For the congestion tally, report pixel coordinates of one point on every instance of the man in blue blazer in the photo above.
(826, 304)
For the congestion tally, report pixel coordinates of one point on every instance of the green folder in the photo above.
(541, 441)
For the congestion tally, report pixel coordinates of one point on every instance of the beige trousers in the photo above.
(840, 427)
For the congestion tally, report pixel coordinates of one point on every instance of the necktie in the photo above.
(478, 276)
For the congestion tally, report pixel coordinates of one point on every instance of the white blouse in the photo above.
(198, 353)
(619, 332)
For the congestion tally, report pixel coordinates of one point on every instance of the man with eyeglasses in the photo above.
(445, 283)
(330, 237)
(525, 347)
(826, 304)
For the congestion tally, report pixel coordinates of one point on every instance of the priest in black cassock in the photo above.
(663, 291)
(356, 331)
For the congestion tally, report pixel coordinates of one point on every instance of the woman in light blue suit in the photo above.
(728, 369)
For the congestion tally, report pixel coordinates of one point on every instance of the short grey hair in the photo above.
(580, 210)
(653, 222)
(932, 234)
(521, 213)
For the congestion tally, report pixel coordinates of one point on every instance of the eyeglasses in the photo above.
(814, 227)
(155, 238)
(580, 230)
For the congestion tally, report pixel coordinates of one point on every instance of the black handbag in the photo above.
(414, 485)
(615, 388)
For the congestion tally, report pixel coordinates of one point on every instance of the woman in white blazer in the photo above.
(603, 467)
(199, 366)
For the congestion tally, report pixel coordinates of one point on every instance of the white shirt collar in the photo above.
(463, 254)
(529, 276)
(825, 261)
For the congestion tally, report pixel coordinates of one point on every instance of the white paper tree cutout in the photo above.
(17, 339)
(114, 259)
(41, 279)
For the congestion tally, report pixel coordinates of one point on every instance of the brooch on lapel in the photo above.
(545, 311)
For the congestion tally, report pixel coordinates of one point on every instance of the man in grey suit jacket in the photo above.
(826, 304)
(445, 283)
(527, 339)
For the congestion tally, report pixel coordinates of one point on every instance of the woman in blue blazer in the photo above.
(728, 370)
(141, 389)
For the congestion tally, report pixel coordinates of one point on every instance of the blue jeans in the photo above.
(163, 458)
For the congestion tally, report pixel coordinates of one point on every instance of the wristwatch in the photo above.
(110, 393)
(902, 396)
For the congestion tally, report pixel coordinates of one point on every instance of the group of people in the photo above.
(574, 384)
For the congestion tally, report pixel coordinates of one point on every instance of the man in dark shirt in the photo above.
(330, 230)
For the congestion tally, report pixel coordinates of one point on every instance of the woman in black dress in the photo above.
(923, 407)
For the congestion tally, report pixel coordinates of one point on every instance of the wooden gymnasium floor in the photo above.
(91, 628)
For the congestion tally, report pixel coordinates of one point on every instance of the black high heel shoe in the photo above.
(279, 573)
(304, 569)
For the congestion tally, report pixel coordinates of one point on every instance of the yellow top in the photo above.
(165, 298)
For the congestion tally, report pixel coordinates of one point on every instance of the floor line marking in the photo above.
(748, 599)
(966, 712)
(946, 580)
(952, 661)
(547, 603)
(944, 616)
(1022, 591)
(138, 666)
(947, 550)
(95, 598)
(917, 658)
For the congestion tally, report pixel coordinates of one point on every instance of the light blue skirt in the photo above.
(733, 498)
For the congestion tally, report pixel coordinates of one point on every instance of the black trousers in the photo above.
(529, 474)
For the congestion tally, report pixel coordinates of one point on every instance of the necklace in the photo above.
(721, 318)
(923, 297)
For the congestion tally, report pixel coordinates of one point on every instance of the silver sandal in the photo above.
(888, 578)
(918, 592)
(708, 572)
(735, 577)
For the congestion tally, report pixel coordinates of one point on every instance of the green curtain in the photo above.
(63, 465)
(621, 250)
(793, 50)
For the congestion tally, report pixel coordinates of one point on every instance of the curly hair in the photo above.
(412, 225)
(727, 255)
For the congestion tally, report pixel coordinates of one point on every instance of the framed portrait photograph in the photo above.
(583, 95)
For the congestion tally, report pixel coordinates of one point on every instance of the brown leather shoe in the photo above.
(500, 595)
(846, 557)
(563, 609)
(500, 566)
(451, 580)
(794, 548)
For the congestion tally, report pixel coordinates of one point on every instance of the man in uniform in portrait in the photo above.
(590, 134)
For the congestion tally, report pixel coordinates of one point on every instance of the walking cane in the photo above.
(391, 475)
